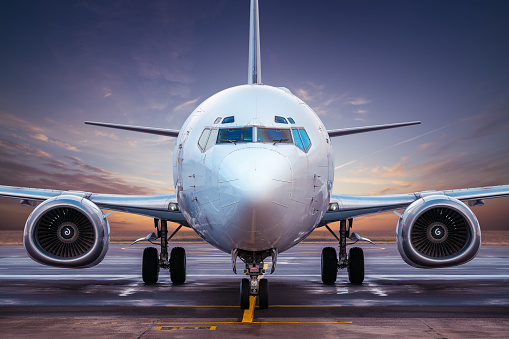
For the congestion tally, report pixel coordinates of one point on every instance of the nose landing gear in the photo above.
(256, 285)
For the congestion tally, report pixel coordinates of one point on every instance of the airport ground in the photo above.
(395, 300)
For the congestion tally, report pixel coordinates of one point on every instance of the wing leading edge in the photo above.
(350, 206)
(149, 130)
(154, 206)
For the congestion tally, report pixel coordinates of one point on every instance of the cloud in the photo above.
(107, 135)
(318, 98)
(361, 111)
(358, 101)
(11, 147)
(11, 121)
(107, 92)
(487, 124)
(64, 145)
(187, 106)
(26, 167)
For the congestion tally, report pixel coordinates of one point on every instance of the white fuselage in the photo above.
(252, 194)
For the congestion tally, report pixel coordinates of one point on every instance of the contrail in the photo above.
(389, 147)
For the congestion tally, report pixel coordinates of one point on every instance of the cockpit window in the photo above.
(207, 139)
(297, 139)
(291, 120)
(228, 120)
(280, 120)
(274, 135)
(305, 138)
(301, 139)
(212, 138)
(202, 142)
(234, 135)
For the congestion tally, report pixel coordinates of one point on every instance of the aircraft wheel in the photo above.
(263, 293)
(178, 265)
(356, 265)
(244, 294)
(150, 265)
(329, 265)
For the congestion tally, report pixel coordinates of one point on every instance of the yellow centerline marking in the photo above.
(203, 306)
(253, 322)
(304, 306)
(249, 313)
(173, 328)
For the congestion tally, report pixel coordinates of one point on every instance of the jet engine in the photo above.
(438, 231)
(67, 231)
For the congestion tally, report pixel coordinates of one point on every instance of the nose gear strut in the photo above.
(255, 268)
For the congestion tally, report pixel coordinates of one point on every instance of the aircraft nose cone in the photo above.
(254, 188)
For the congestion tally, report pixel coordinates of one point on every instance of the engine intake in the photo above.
(67, 231)
(438, 231)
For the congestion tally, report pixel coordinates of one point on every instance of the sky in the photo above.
(356, 63)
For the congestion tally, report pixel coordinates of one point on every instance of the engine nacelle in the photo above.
(438, 231)
(67, 231)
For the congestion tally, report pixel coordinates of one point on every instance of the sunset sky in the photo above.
(150, 63)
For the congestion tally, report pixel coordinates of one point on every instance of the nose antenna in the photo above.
(255, 65)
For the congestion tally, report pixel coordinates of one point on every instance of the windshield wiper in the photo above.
(279, 140)
(232, 141)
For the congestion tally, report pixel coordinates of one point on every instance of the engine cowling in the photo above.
(67, 231)
(438, 231)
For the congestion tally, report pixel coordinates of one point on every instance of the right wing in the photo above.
(154, 206)
(350, 206)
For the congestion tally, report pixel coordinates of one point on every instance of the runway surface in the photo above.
(110, 300)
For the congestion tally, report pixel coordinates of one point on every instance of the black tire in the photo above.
(150, 265)
(329, 265)
(178, 265)
(263, 293)
(356, 265)
(244, 294)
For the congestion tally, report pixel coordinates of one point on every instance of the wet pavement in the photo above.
(395, 299)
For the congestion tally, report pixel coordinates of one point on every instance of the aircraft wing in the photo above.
(350, 206)
(154, 206)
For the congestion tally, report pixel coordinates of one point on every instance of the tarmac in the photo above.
(395, 300)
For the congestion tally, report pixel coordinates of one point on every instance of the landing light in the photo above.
(174, 207)
(333, 207)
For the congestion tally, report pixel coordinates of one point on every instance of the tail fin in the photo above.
(255, 65)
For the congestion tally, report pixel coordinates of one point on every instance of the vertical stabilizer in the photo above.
(255, 65)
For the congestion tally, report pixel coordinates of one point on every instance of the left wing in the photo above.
(163, 207)
(344, 207)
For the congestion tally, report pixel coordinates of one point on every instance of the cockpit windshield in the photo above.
(295, 135)
(234, 135)
(274, 135)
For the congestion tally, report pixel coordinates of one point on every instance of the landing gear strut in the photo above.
(256, 285)
(354, 261)
(151, 264)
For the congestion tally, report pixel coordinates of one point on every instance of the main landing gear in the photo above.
(152, 263)
(354, 261)
(256, 285)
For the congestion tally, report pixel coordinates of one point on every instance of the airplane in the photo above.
(253, 175)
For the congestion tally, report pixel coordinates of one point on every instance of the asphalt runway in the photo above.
(396, 300)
